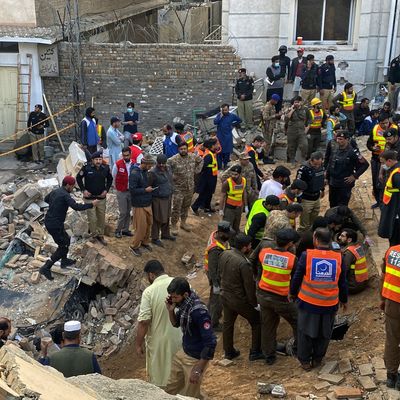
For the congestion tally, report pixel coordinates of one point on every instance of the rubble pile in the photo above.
(23, 378)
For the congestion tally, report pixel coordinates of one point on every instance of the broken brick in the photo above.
(367, 383)
(348, 392)
(110, 311)
(331, 378)
(35, 277)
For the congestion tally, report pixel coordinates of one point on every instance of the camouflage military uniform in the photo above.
(276, 220)
(183, 172)
(251, 181)
(296, 136)
(269, 120)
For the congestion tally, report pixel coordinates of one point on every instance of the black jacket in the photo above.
(285, 65)
(390, 211)
(244, 86)
(161, 180)
(326, 76)
(309, 78)
(138, 182)
(394, 71)
(341, 163)
(94, 180)
(59, 201)
(315, 179)
(35, 118)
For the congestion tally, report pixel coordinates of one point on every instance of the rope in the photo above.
(41, 122)
(39, 140)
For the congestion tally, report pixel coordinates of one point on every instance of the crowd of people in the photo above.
(285, 260)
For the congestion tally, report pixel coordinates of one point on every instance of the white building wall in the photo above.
(256, 28)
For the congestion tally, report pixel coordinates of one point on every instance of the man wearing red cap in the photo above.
(59, 201)
(136, 148)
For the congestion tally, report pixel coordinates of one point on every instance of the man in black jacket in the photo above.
(95, 181)
(244, 92)
(59, 201)
(36, 125)
(309, 80)
(327, 82)
(141, 197)
(394, 81)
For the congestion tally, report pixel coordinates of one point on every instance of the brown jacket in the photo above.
(237, 282)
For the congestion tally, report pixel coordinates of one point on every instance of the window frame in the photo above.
(347, 42)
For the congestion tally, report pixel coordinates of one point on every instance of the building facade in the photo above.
(361, 34)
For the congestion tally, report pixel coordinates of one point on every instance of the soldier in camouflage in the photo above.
(248, 173)
(269, 120)
(184, 166)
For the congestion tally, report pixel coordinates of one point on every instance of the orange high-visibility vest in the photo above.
(213, 165)
(378, 139)
(212, 242)
(316, 122)
(248, 148)
(284, 196)
(348, 101)
(389, 190)
(320, 283)
(235, 192)
(277, 268)
(199, 150)
(360, 266)
(187, 137)
(391, 282)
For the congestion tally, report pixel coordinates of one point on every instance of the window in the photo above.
(8, 47)
(324, 20)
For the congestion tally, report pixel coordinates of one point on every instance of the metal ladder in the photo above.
(23, 92)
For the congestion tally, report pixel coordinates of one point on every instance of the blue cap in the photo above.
(276, 97)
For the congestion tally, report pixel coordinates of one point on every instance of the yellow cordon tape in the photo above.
(39, 140)
(41, 122)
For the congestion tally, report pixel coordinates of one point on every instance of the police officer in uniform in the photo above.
(217, 243)
(392, 141)
(344, 165)
(313, 174)
(319, 284)
(276, 266)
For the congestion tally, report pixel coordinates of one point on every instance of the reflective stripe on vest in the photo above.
(277, 267)
(316, 122)
(248, 148)
(257, 208)
(213, 165)
(284, 196)
(212, 242)
(360, 266)
(320, 283)
(235, 192)
(389, 190)
(391, 282)
(378, 139)
(188, 138)
(99, 129)
(348, 101)
(334, 120)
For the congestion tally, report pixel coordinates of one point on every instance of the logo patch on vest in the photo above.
(323, 270)
(360, 251)
(394, 258)
(277, 261)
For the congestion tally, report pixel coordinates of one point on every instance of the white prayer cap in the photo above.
(72, 326)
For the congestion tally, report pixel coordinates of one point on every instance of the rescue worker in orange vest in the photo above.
(253, 150)
(276, 267)
(354, 261)
(217, 243)
(319, 284)
(315, 121)
(234, 197)
(389, 224)
(292, 193)
(136, 148)
(186, 136)
(207, 180)
(376, 144)
(390, 304)
(102, 134)
(120, 174)
(346, 100)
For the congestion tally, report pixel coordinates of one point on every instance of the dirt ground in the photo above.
(364, 340)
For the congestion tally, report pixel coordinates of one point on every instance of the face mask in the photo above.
(276, 65)
(130, 109)
(385, 167)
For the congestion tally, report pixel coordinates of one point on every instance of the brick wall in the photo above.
(164, 80)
